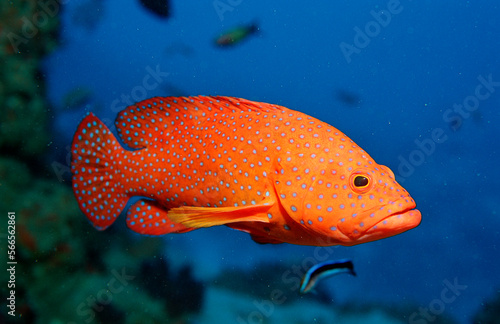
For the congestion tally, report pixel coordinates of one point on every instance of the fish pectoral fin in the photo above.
(212, 216)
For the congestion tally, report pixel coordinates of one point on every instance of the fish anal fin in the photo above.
(264, 239)
(213, 216)
(150, 218)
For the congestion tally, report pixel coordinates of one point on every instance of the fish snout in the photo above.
(393, 225)
(380, 223)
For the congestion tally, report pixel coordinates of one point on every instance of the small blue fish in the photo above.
(324, 270)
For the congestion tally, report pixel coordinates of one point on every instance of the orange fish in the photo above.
(276, 173)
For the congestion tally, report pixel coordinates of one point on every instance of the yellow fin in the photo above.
(212, 216)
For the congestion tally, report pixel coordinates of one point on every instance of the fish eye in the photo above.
(360, 182)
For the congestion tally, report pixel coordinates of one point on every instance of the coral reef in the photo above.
(265, 274)
(182, 292)
(28, 32)
(248, 302)
(66, 271)
(239, 308)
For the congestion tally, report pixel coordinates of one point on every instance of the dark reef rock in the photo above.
(182, 292)
(269, 279)
(489, 312)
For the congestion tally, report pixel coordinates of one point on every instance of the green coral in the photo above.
(53, 243)
(24, 39)
(45, 212)
(65, 269)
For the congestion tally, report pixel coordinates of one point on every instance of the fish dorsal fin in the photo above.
(197, 217)
(244, 104)
(145, 122)
(155, 119)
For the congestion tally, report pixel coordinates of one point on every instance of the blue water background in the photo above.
(426, 59)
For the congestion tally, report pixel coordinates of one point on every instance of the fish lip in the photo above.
(407, 225)
(380, 230)
(399, 221)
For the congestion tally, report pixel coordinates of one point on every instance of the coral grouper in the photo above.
(276, 173)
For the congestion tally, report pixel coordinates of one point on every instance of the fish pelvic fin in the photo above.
(264, 239)
(212, 216)
(94, 164)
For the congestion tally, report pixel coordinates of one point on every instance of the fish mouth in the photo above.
(391, 225)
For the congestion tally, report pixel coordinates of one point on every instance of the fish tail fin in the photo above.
(95, 168)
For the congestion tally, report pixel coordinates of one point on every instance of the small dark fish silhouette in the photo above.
(160, 8)
(88, 14)
(349, 98)
(77, 97)
(456, 123)
(173, 90)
